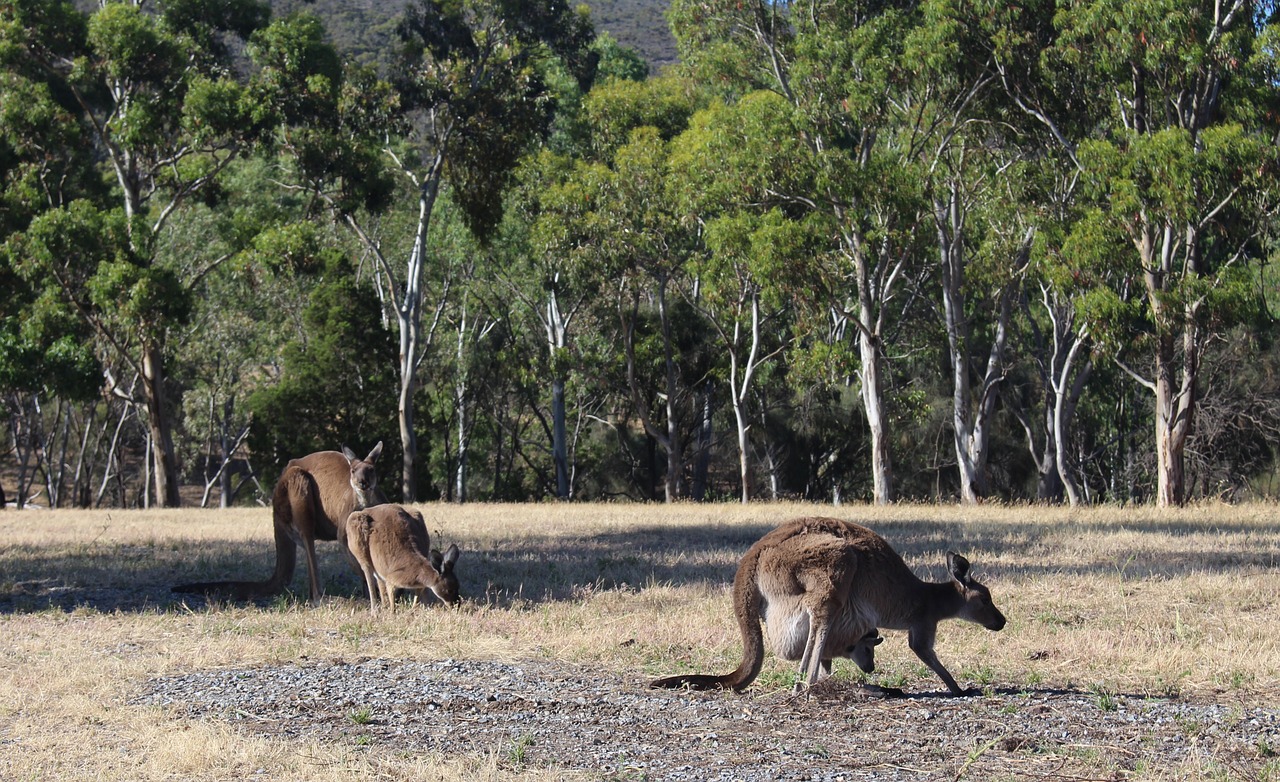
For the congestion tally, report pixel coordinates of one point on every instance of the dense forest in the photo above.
(835, 251)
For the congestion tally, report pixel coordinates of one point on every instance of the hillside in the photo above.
(364, 28)
(640, 25)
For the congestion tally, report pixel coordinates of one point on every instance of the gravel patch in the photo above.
(548, 714)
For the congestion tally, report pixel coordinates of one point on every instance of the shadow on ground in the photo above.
(108, 577)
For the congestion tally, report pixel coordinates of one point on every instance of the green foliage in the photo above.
(733, 155)
(337, 378)
(617, 61)
(332, 122)
(215, 108)
(768, 252)
(54, 25)
(204, 20)
(300, 73)
(617, 107)
(718, 40)
(477, 65)
(129, 45)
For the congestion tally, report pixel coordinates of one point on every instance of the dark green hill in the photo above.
(364, 29)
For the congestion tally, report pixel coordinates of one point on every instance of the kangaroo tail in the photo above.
(746, 605)
(293, 494)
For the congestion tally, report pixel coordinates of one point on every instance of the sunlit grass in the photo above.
(1107, 601)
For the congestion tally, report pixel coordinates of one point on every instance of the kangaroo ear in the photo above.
(959, 567)
(375, 453)
(450, 557)
(350, 454)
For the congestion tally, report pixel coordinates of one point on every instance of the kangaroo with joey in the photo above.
(819, 584)
(391, 544)
(311, 502)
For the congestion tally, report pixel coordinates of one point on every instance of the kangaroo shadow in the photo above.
(552, 568)
(116, 577)
(845, 690)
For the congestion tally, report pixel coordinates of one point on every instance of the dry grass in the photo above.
(1109, 600)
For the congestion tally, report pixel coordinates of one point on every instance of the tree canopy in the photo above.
(840, 250)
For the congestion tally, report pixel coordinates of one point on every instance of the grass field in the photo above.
(1108, 601)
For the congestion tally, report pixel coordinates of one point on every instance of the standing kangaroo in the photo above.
(311, 502)
(818, 584)
(391, 544)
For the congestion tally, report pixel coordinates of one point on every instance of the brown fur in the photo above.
(838, 579)
(392, 547)
(312, 499)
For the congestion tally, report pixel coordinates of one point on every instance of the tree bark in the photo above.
(164, 463)
(877, 418)
(559, 438)
(557, 327)
(706, 433)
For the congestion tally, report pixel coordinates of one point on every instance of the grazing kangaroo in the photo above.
(311, 502)
(819, 583)
(394, 550)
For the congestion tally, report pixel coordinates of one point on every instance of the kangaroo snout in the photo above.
(995, 623)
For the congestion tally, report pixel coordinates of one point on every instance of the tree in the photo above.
(741, 293)
(559, 240)
(849, 154)
(559, 281)
(755, 258)
(46, 350)
(1181, 173)
(240, 311)
(335, 384)
(468, 98)
(155, 99)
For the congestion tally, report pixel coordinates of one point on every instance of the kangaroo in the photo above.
(391, 544)
(863, 653)
(819, 583)
(311, 502)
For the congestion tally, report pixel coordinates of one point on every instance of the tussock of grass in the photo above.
(1105, 600)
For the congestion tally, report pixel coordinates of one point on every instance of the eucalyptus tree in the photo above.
(643, 243)
(233, 341)
(981, 176)
(1178, 173)
(577, 228)
(46, 349)
(839, 66)
(752, 260)
(1061, 347)
(466, 99)
(742, 292)
(553, 279)
(157, 103)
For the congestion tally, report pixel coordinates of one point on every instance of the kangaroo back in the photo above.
(392, 546)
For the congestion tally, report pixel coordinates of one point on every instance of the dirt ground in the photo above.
(548, 714)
